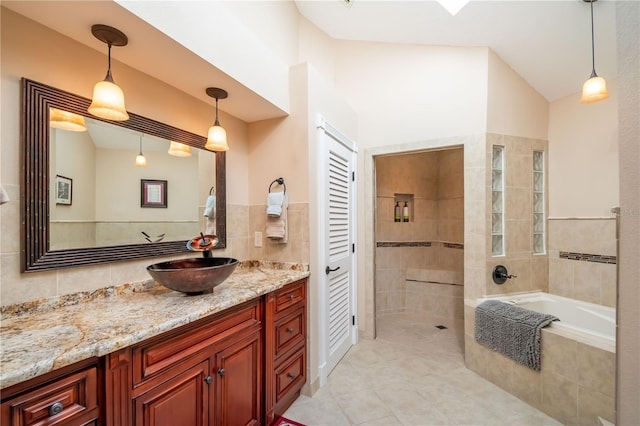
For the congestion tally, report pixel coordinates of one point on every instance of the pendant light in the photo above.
(217, 136)
(595, 88)
(65, 120)
(140, 160)
(108, 99)
(178, 149)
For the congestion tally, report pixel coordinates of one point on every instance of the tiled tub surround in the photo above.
(582, 257)
(41, 336)
(576, 384)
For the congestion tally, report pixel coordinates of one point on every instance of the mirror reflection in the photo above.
(85, 201)
(106, 202)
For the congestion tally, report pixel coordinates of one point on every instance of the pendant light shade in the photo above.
(217, 136)
(66, 120)
(595, 88)
(178, 149)
(108, 99)
(141, 161)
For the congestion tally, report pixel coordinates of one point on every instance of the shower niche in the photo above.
(403, 208)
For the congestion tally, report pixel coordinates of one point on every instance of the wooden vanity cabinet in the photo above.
(205, 373)
(69, 396)
(286, 357)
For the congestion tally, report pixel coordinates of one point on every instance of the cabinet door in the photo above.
(239, 382)
(183, 400)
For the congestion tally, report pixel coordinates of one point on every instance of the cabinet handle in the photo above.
(290, 330)
(208, 379)
(221, 372)
(56, 408)
(292, 376)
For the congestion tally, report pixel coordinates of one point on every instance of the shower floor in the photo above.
(413, 373)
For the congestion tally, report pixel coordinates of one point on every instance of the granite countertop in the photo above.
(41, 336)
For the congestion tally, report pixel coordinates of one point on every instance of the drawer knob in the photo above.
(56, 408)
(290, 330)
(222, 372)
(292, 376)
(208, 379)
(291, 296)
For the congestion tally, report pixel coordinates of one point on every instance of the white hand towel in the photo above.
(210, 207)
(277, 227)
(4, 197)
(274, 203)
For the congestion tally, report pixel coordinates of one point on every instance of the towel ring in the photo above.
(212, 190)
(279, 181)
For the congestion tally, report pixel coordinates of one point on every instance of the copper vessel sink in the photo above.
(193, 276)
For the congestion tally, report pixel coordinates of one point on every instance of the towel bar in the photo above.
(279, 181)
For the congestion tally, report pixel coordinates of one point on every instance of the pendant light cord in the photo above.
(109, 77)
(593, 51)
(217, 123)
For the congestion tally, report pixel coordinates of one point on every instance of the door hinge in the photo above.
(353, 320)
(353, 248)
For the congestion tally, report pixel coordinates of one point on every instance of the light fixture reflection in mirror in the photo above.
(66, 120)
(140, 160)
(178, 149)
(43, 147)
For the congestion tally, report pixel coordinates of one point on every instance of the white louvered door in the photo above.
(339, 272)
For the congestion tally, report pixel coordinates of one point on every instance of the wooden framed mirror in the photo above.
(37, 251)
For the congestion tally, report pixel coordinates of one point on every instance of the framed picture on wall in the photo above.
(64, 190)
(153, 193)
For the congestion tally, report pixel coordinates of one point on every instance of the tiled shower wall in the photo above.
(530, 269)
(582, 259)
(433, 238)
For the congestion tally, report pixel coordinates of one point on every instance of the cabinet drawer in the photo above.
(290, 331)
(290, 295)
(290, 376)
(157, 355)
(71, 399)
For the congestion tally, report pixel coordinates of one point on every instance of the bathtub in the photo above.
(588, 323)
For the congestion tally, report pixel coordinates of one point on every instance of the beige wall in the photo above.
(513, 106)
(583, 156)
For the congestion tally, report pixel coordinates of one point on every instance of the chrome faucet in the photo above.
(203, 243)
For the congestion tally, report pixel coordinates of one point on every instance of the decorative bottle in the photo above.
(405, 212)
(396, 213)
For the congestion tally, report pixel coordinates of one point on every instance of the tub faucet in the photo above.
(500, 275)
(203, 243)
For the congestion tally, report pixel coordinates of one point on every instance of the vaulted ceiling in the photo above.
(547, 42)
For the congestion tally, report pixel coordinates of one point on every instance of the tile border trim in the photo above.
(585, 257)
(457, 246)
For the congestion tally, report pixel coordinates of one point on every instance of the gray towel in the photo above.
(511, 330)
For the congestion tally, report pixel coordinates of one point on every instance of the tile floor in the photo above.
(412, 374)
